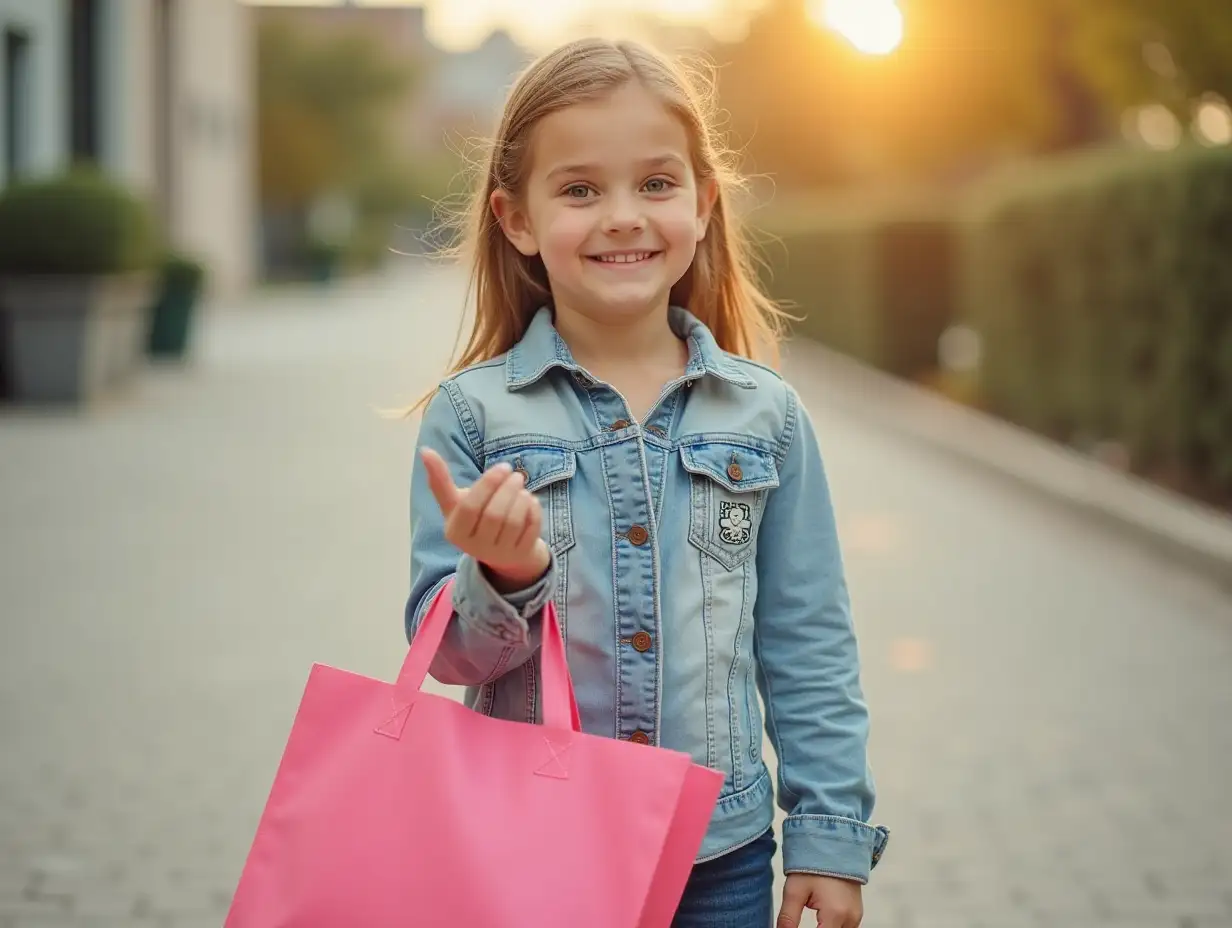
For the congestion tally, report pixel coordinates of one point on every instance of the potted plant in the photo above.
(75, 257)
(181, 283)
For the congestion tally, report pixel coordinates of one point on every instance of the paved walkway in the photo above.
(1051, 707)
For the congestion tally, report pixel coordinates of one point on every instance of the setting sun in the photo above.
(875, 27)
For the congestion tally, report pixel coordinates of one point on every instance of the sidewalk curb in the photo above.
(1196, 535)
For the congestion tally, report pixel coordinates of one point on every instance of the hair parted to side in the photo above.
(720, 287)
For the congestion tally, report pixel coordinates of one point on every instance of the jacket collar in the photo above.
(541, 349)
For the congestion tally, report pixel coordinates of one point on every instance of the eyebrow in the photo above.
(656, 162)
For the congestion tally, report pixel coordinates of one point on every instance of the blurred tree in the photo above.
(970, 80)
(1160, 51)
(778, 86)
(322, 108)
(323, 120)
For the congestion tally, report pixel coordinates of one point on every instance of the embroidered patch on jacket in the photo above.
(735, 523)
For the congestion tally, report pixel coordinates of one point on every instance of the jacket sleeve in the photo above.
(488, 634)
(808, 670)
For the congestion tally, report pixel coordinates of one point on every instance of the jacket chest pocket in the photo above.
(728, 487)
(548, 473)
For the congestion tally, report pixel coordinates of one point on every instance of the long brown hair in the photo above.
(720, 287)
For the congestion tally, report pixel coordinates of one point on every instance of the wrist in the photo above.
(511, 578)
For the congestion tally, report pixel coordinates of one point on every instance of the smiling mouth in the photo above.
(624, 259)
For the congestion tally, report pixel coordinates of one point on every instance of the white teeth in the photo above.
(625, 259)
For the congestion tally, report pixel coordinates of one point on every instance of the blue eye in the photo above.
(572, 191)
(659, 185)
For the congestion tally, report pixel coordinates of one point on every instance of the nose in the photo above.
(624, 214)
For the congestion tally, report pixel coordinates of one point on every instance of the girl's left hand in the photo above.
(839, 903)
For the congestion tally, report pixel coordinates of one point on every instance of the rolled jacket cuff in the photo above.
(504, 616)
(830, 845)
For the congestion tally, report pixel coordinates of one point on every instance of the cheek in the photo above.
(678, 224)
(563, 231)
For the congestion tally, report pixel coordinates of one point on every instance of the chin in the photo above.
(628, 305)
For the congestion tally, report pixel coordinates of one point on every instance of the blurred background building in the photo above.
(158, 93)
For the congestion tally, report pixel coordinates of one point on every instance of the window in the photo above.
(16, 102)
(83, 23)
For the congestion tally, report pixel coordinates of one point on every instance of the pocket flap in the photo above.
(542, 466)
(739, 468)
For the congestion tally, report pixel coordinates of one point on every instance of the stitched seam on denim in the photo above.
(786, 795)
(466, 419)
(741, 361)
(607, 491)
(732, 799)
(855, 877)
(805, 818)
(520, 383)
(501, 663)
(564, 536)
(706, 566)
(828, 837)
(738, 439)
(789, 426)
(746, 608)
(429, 598)
(602, 438)
(657, 583)
(733, 703)
(735, 847)
(664, 465)
(532, 689)
(562, 595)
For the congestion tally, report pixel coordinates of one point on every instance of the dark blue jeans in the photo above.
(732, 891)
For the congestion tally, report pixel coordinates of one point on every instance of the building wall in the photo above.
(182, 136)
(214, 184)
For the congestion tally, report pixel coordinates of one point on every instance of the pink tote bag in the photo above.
(395, 808)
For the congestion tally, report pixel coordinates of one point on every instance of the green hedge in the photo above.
(873, 280)
(1100, 286)
(1102, 289)
(81, 222)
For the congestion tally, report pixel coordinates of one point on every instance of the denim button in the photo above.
(638, 535)
(642, 641)
(640, 737)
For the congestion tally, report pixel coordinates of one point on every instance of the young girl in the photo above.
(606, 442)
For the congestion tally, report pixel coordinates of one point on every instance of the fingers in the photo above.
(440, 482)
(532, 527)
(465, 520)
(792, 910)
(522, 524)
(502, 519)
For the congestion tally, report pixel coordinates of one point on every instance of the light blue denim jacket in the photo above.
(695, 561)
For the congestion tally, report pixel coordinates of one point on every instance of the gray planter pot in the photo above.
(70, 337)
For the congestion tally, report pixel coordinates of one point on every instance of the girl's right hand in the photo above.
(496, 521)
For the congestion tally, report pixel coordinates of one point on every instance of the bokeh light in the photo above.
(874, 27)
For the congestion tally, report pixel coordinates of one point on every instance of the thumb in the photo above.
(439, 481)
(792, 910)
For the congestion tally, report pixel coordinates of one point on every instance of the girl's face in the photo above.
(611, 205)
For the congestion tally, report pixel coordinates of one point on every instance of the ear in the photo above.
(707, 195)
(513, 222)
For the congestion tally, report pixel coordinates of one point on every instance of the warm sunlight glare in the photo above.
(875, 27)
